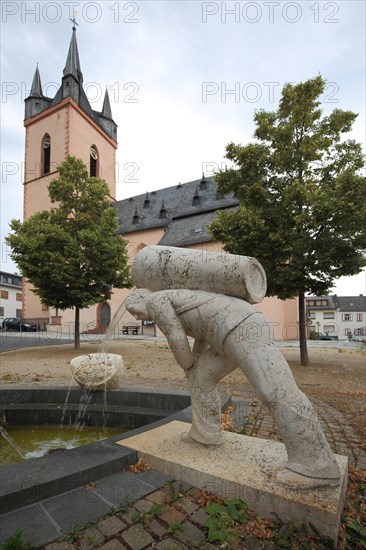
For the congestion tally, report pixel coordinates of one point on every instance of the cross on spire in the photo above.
(73, 20)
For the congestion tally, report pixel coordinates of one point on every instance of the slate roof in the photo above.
(189, 230)
(341, 303)
(182, 209)
(332, 302)
(351, 303)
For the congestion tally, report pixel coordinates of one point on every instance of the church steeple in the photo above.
(36, 90)
(71, 88)
(72, 66)
(36, 102)
(107, 111)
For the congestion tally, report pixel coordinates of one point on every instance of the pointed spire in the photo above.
(147, 200)
(136, 217)
(107, 111)
(203, 182)
(36, 90)
(73, 62)
(162, 213)
(196, 198)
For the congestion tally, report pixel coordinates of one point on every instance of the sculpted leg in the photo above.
(311, 461)
(208, 369)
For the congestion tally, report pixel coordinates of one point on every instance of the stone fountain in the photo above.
(208, 296)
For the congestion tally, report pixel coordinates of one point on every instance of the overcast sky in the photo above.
(184, 79)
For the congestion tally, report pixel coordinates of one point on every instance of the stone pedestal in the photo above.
(244, 467)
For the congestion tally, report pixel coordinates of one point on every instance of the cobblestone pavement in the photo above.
(173, 517)
(166, 519)
(341, 437)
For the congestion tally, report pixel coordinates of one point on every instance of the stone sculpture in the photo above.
(228, 332)
(98, 371)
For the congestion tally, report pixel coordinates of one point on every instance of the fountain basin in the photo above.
(129, 408)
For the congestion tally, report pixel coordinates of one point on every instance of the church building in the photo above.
(175, 216)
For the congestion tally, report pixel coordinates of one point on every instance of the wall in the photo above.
(10, 304)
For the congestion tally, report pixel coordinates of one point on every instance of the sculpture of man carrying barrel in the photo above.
(228, 333)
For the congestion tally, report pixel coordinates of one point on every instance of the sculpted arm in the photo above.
(162, 312)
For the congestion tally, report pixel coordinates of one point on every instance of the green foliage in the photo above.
(145, 517)
(173, 493)
(302, 536)
(223, 519)
(16, 542)
(302, 210)
(71, 254)
(122, 508)
(177, 527)
(356, 532)
(72, 534)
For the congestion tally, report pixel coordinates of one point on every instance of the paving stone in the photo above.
(191, 535)
(171, 515)
(196, 492)
(143, 505)
(90, 538)
(59, 546)
(199, 517)
(187, 506)
(36, 525)
(137, 537)
(181, 486)
(252, 543)
(159, 497)
(111, 525)
(123, 487)
(127, 516)
(170, 544)
(156, 528)
(113, 544)
(76, 508)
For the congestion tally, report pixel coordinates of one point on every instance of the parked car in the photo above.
(13, 323)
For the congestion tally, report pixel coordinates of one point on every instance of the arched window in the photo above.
(94, 162)
(46, 154)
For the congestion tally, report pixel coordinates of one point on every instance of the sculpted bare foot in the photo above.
(292, 480)
(186, 437)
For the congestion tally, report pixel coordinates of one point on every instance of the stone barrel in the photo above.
(167, 267)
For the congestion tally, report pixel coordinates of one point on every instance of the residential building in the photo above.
(10, 295)
(340, 316)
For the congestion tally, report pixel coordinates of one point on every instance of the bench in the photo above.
(130, 329)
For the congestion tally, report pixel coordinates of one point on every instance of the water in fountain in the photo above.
(67, 400)
(109, 333)
(85, 398)
(11, 441)
(103, 358)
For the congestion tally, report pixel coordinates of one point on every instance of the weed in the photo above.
(301, 536)
(356, 532)
(17, 542)
(72, 534)
(145, 517)
(223, 519)
(173, 493)
(122, 508)
(176, 527)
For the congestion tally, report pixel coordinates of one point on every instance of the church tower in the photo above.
(55, 128)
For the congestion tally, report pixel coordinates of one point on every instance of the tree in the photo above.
(302, 197)
(72, 254)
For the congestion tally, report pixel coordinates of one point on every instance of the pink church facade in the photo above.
(175, 216)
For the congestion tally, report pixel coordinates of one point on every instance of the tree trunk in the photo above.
(304, 357)
(77, 329)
